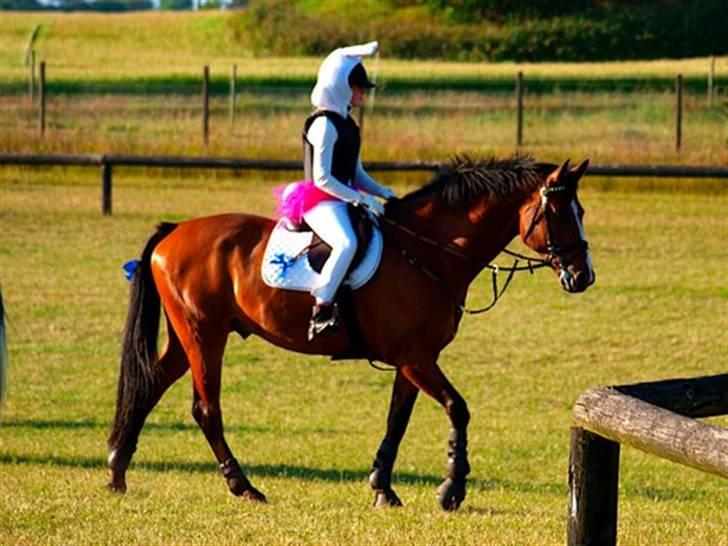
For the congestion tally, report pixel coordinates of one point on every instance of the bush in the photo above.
(611, 30)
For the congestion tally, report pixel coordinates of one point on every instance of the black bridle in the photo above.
(555, 253)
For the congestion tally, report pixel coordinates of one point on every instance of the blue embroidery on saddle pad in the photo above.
(284, 262)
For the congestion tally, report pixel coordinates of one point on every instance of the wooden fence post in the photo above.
(42, 98)
(711, 75)
(678, 111)
(233, 94)
(519, 107)
(206, 104)
(593, 489)
(31, 81)
(106, 174)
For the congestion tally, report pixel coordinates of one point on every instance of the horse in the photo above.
(205, 274)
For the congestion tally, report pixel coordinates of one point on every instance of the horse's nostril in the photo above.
(583, 279)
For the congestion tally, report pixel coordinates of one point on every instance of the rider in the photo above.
(331, 143)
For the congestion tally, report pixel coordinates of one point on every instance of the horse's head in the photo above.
(551, 223)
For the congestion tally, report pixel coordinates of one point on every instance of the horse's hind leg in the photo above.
(171, 366)
(404, 395)
(206, 365)
(430, 379)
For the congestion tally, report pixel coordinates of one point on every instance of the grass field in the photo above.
(306, 428)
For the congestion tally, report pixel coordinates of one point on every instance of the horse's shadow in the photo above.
(293, 471)
(269, 470)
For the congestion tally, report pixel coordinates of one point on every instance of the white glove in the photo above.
(374, 206)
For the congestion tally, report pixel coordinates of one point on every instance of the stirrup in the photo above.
(324, 321)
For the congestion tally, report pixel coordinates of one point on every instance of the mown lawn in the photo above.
(305, 428)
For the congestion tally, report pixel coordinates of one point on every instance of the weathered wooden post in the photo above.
(656, 417)
(206, 104)
(593, 489)
(106, 173)
(31, 80)
(678, 111)
(519, 109)
(711, 75)
(233, 94)
(42, 98)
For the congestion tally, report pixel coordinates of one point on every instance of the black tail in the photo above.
(137, 375)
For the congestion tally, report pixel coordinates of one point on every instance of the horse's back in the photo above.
(200, 237)
(200, 256)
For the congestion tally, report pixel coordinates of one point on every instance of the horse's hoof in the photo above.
(252, 494)
(386, 499)
(451, 494)
(116, 487)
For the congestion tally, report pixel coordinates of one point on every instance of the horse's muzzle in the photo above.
(578, 281)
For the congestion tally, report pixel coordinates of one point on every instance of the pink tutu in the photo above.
(297, 198)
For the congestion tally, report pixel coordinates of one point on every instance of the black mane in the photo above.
(465, 179)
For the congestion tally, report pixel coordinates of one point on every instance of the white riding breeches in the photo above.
(330, 220)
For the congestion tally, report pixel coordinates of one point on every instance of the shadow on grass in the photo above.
(40, 424)
(268, 470)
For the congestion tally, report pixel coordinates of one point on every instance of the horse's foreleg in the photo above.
(404, 395)
(206, 370)
(431, 380)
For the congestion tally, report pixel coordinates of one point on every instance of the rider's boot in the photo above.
(324, 320)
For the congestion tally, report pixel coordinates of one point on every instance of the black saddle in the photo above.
(319, 251)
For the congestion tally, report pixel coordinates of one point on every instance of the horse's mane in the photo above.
(465, 179)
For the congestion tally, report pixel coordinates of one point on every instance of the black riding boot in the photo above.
(324, 320)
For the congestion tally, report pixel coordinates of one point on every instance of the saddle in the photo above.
(295, 255)
(320, 251)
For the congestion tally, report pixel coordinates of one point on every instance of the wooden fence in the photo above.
(658, 418)
(108, 162)
(519, 87)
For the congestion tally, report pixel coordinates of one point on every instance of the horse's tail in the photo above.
(137, 374)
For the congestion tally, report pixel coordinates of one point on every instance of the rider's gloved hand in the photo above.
(374, 206)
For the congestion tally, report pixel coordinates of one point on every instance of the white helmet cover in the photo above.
(332, 91)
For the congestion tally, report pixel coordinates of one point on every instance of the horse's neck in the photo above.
(478, 234)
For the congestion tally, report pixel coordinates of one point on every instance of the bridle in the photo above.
(555, 252)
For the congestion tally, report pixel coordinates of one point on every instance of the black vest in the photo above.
(346, 148)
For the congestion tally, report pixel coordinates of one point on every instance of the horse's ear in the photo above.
(559, 172)
(580, 169)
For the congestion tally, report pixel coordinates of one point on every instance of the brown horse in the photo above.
(207, 274)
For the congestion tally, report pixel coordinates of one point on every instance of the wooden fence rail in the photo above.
(108, 161)
(655, 417)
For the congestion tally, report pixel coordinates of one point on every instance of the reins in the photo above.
(532, 263)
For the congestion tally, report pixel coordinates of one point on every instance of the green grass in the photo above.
(305, 428)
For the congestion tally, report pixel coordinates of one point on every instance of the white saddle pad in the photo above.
(285, 262)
